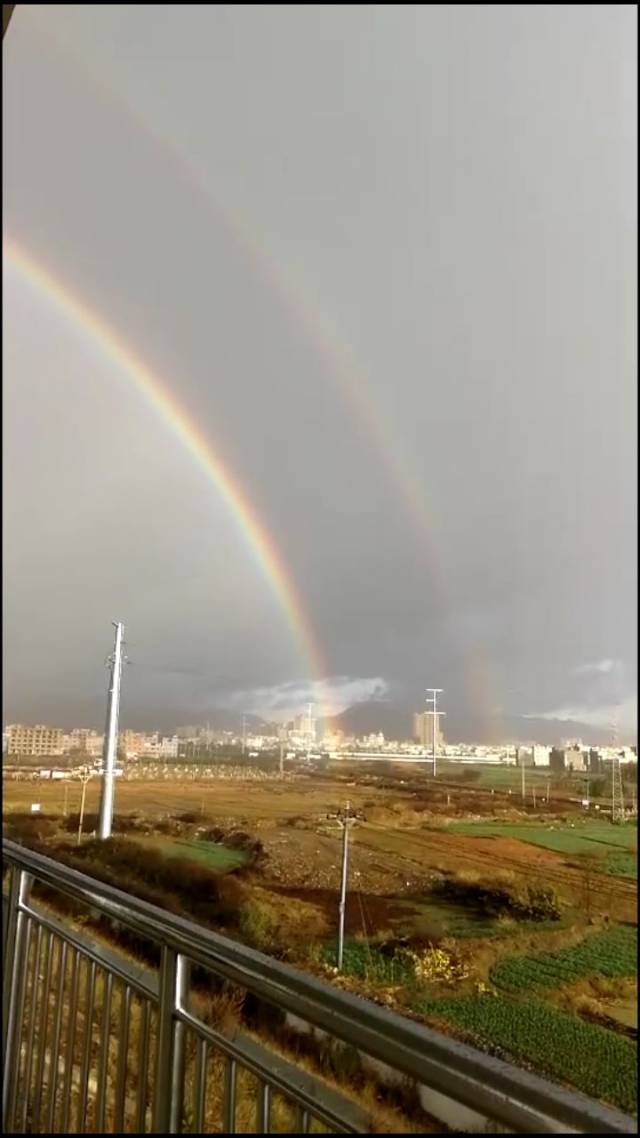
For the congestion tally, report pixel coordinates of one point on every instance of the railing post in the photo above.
(13, 986)
(169, 1076)
(183, 971)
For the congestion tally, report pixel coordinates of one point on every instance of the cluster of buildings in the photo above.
(300, 736)
(574, 756)
(82, 743)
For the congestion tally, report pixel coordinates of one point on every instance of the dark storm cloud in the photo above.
(448, 195)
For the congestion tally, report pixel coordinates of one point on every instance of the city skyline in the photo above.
(331, 397)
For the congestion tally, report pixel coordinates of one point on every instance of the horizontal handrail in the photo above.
(261, 1061)
(513, 1097)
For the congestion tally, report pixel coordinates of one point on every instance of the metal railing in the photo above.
(95, 1042)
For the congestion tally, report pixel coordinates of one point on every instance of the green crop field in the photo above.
(614, 846)
(505, 776)
(613, 952)
(589, 1057)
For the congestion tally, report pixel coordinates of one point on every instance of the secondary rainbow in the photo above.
(256, 536)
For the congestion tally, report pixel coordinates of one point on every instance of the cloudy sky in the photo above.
(383, 258)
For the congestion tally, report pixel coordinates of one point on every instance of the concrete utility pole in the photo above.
(523, 779)
(432, 701)
(111, 735)
(617, 795)
(345, 819)
(281, 738)
(85, 775)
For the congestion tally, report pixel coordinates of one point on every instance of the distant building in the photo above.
(423, 729)
(525, 757)
(541, 755)
(132, 744)
(38, 740)
(595, 761)
(557, 759)
(169, 747)
(576, 759)
(84, 741)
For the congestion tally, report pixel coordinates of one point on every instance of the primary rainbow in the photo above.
(257, 538)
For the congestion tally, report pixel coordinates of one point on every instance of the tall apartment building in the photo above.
(38, 740)
(423, 729)
(132, 743)
(85, 740)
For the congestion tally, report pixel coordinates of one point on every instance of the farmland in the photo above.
(501, 923)
(614, 846)
(613, 952)
(589, 1057)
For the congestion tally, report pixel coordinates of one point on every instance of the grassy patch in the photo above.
(214, 856)
(596, 1061)
(613, 952)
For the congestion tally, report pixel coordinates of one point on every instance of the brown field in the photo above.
(393, 853)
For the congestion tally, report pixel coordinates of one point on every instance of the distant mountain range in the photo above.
(396, 722)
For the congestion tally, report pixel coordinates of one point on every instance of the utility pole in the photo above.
(244, 733)
(85, 775)
(617, 796)
(523, 779)
(548, 786)
(111, 735)
(432, 702)
(281, 738)
(310, 732)
(345, 819)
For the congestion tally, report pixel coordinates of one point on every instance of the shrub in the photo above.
(28, 829)
(436, 964)
(501, 896)
(259, 926)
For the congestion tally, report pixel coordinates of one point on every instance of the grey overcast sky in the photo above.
(385, 258)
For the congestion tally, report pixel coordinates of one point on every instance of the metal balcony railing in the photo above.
(94, 1042)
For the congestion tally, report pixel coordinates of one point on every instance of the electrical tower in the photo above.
(432, 703)
(111, 734)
